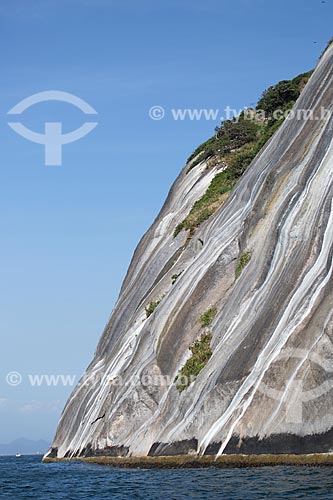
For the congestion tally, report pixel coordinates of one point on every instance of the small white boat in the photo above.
(18, 455)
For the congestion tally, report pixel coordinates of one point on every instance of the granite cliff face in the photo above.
(263, 263)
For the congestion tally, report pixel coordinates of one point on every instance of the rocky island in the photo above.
(221, 341)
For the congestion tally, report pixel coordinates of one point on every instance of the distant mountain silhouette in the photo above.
(24, 446)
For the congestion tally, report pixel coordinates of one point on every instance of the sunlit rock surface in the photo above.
(268, 386)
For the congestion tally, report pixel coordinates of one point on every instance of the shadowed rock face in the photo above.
(268, 386)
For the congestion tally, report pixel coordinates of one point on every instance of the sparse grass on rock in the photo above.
(174, 277)
(201, 352)
(151, 307)
(243, 260)
(214, 197)
(207, 317)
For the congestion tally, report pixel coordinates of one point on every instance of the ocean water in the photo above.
(26, 477)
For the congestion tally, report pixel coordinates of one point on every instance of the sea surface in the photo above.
(26, 477)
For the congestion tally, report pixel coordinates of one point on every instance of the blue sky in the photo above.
(68, 232)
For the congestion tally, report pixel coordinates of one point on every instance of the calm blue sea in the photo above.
(26, 477)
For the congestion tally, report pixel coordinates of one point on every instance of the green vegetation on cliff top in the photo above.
(236, 143)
